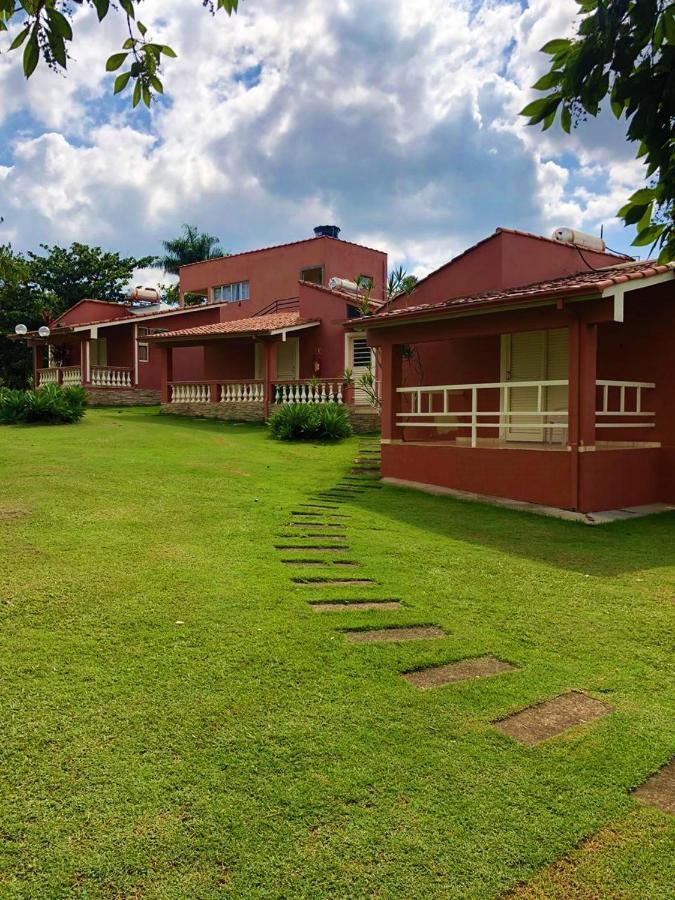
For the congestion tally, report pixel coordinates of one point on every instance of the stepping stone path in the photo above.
(659, 789)
(389, 635)
(333, 582)
(462, 670)
(552, 717)
(353, 605)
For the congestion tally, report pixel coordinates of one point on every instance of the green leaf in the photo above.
(141, 27)
(60, 24)
(537, 107)
(58, 48)
(556, 46)
(644, 195)
(31, 54)
(566, 119)
(633, 214)
(147, 98)
(115, 61)
(167, 51)
(547, 81)
(102, 7)
(137, 94)
(617, 107)
(156, 84)
(20, 38)
(128, 7)
(649, 235)
(121, 82)
(129, 43)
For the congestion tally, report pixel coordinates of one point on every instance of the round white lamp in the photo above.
(20, 329)
(44, 332)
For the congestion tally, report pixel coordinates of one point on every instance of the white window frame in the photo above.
(142, 345)
(243, 292)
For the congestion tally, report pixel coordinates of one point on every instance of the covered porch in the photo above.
(249, 366)
(565, 405)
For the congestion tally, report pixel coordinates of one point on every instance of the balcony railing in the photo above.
(312, 391)
(65, 375)
(253, 391)
(431, 407)
(112, 377)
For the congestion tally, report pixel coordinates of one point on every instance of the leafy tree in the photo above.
(624, 49)
(66, 275)
(192, 246)
(46, 32)
(18, 303)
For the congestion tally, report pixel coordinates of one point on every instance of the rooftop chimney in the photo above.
(331, 231)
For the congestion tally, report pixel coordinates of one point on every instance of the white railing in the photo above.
(624, 392)
(430, 407)
(48, 376)
(65, 375)
(242, 391)
(308, 392)
(111, 376)
(191, 392)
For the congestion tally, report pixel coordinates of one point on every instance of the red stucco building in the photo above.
(535, 371)
(268, 328)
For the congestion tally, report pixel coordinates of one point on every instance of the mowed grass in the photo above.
(251, 751)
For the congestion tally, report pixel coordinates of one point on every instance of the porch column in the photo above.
(582, 379)
(36, 363)
(582, 397)
(270, 374)
(391, 358)
(166, 372)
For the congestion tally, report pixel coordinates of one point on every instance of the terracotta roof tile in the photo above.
(579, 284)
(252, 325)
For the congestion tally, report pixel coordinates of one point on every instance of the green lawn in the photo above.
(252, 751)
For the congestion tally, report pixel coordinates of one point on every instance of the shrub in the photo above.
(50, 405)
(310, 422)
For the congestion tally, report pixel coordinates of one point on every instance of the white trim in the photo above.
(297, 361)
(136, 354)
(284, 331)
(87, 362)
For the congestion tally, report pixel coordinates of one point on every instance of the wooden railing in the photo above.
(111, 376)
(431, 407)
(311, 391)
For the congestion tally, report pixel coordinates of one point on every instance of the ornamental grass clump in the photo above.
(309, 422)
(48, 405)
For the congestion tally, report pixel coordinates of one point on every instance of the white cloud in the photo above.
(395, 118)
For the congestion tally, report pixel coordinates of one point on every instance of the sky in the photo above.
(395, 119)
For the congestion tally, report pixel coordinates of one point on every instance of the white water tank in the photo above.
(579, 238)
(344, 285)
(144, 294)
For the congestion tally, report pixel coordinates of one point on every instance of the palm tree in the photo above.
(192, 246)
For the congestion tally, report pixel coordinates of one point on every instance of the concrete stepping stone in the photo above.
(321, 606)
(462, 670)
(319, 505)
(337, 525)
(659, 789)
(318, 548)
(392, 634)
(552, 717)
(302, 561)
(313, 535)
(334, 582)
(305, 512)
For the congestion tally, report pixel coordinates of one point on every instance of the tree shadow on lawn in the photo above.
(601, 550)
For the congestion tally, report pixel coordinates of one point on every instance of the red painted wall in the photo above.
(612, 479)
(273, 273)
(327, 341)
(92, 311)
(529, 475)
(506, 259)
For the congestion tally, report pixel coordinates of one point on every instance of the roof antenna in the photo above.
(602, 231)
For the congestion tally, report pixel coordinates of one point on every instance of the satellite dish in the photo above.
(20, 329)
(44, 332)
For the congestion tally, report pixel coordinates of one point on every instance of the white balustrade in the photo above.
(242, 392)
(190, 392)
(111, 377)
(48, 376)
(308, 392)
(430, 407)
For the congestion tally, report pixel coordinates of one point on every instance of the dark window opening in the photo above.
(314, 275)
(353, 312)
